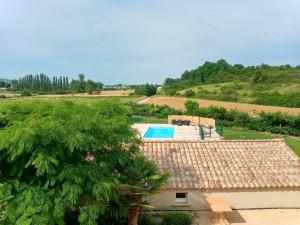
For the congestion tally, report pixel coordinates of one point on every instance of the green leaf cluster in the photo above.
(62, 157)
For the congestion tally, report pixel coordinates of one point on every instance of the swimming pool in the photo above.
(159, 132)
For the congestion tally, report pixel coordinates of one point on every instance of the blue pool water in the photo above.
(159, 132)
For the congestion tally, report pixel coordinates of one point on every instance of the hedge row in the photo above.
(152, 110)
(278, 123)
(170, 218)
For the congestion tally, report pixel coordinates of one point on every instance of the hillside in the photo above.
(264, 84)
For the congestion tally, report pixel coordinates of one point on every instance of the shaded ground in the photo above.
(256, 217)
(178, 103)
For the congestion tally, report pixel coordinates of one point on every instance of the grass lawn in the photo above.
(233, 133)
(147, 120)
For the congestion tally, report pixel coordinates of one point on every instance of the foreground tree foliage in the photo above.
(140, 178)
(57, 158)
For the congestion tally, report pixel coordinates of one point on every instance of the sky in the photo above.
(139, 41)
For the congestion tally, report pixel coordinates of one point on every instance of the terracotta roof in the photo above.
(226, 164)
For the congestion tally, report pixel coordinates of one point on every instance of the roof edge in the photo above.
(194, 141)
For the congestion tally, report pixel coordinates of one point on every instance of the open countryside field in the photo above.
(77, 99)
(102, 93)
(178, 103)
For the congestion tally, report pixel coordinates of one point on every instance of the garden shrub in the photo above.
(146, 219)
(177, 218)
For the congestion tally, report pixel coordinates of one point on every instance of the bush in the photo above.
(189, 93)
(146, 219)
(151, 110)
(277, 99)
(228, 94)
(171, 92)
(25, 93)
(3, 120)
(178, 218)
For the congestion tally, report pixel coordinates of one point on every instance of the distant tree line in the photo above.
(4, 84)
(43, 84)
(221, 71)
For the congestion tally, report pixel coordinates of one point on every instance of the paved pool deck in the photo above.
(180, 132)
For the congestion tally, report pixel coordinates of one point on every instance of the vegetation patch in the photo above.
(263, 84)
(177, 218)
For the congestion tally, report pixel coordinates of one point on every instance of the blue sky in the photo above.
(138, 41)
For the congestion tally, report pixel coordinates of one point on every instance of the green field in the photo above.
(231, 133)
(77, 99)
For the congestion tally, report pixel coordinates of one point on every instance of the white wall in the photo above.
(238, 200)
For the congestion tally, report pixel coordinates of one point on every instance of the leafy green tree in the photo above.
(90, 86)
(81, 83)
(75, 86)
(58, 158)
(140, 178)
(191, 107)
(148, 90)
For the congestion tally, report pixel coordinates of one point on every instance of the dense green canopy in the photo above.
(61, 157)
